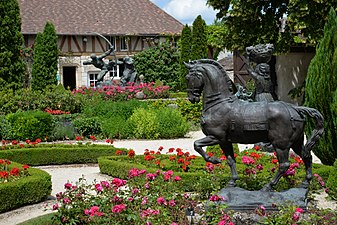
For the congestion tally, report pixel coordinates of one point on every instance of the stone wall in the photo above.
(291, 70)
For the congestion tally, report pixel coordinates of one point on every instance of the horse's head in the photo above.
(195, 82)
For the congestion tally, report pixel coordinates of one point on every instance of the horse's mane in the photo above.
(222, 70)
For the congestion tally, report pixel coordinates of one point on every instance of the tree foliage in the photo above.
(251, 22)
(215, 34)
(45, 58)
(321, 90)
(11, 42)
(185, 46)
(199, 39)
(159, 63)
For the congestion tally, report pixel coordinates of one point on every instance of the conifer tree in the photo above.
(11, 42)
(199, 39)
(46, 52)
(185, 53)
(321, 90)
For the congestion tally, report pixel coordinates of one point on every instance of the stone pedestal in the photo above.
(240, 199)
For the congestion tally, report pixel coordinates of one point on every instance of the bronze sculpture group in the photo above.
(226, 120)
(129, 73)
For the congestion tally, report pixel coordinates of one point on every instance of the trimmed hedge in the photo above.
(190, 180)
(58, 154)
(25, 191)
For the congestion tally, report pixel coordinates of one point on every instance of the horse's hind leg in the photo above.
(298, 148)
(206, 141)
(283, 159)
(229, 152)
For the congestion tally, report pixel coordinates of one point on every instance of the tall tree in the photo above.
(279, 22)
(321, 90)
(45, 58)
(199, 39)
(11, 42)
(185, 45)
(216, 34)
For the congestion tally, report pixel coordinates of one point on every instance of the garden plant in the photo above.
(151, 189)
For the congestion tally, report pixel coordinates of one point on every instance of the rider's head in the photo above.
(93, 56)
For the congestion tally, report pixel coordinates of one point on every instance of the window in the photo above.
(92, 81)
(124, 45)
(114, 72)
(112, 41)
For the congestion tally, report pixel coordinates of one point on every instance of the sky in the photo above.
(187, 10)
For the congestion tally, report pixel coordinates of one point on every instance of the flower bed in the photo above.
(21, 185)
(118, 93)
(255, 169)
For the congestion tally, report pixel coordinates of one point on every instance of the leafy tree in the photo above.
(321, 90)
(251, 22)
(11, 41)
(309, 17)
(185, 53)
(215, 34)
(199, 39)
(45, 58)
(159, 63)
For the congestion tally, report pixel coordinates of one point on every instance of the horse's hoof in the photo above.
(304, 184)
(266, 188)
(215, 160)
(231, 185)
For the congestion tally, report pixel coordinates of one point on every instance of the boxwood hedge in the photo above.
(26, 190)
(56, 154)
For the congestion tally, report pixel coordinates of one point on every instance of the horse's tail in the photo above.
(316, 133)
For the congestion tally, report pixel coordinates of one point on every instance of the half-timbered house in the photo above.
(130, 25)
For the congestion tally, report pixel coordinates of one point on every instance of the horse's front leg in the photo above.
(206, 141)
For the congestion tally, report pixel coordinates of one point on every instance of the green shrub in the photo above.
(331, 183)
(30, 125)
(171, 123)
(63, 131)
(88, 126)
(25, 191)
(178, 94)
(5, 128)
(56, 154)
(97, 107)
(157, 123)
(57, 97)
(145, 124)
(116, 127)
(192, 112)
(53, 97)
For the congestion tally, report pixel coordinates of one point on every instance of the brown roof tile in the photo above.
(108, 17)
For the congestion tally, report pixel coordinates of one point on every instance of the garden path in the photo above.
(71, 173)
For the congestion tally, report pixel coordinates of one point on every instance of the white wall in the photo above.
(291, 70)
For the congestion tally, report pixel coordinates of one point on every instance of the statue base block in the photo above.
(239, 199)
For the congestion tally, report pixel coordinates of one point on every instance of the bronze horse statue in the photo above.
(226, 120)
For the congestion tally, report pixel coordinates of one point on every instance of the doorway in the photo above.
(69, 77)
